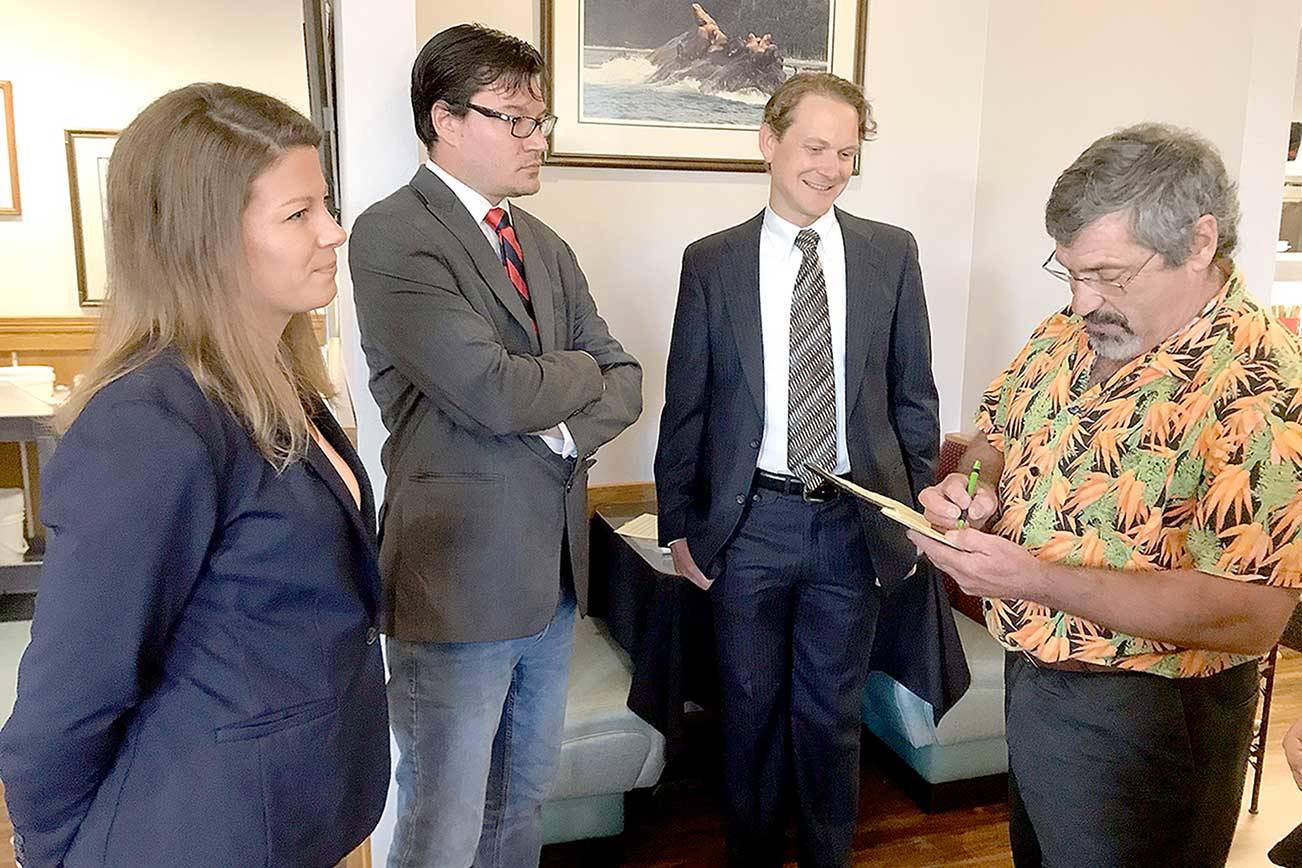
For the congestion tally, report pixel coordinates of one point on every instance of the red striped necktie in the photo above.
(512, 256)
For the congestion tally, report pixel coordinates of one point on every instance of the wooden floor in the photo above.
(680, 826)
(685, 829)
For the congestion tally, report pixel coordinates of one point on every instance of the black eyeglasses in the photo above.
(1098, 284)
(521, 127)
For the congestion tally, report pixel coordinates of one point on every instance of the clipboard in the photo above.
(894, 510)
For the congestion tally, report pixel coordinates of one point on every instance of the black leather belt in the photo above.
(793, 485)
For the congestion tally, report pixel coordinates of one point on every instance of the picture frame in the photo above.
(11, 203)
(88, 153)
(671, 84)
(319, 50)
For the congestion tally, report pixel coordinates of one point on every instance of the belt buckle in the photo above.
(809, 495)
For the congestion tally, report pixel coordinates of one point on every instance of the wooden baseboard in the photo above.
(620, 492)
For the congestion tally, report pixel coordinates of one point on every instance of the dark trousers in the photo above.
(1125, 770)
(794, 609)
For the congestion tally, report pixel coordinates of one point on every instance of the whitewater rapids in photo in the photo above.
(615, 87)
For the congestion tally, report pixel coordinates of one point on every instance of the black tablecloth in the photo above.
(665, 624)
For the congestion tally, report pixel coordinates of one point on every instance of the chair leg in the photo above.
(1257, 750)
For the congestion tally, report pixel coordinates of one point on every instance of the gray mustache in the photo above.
(1106, 318)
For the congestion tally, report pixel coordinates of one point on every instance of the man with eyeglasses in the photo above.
(1137, 532)
(497, 381)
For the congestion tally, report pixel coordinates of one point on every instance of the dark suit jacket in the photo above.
(478, 512)
(203, 685)
(714, 392)
(713, 418)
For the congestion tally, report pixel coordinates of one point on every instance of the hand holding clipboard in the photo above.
(894, 510)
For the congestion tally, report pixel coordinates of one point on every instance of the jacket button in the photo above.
(754, 444)
(741, 498)
(371, 635)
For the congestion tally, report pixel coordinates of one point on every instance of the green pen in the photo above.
(971, 490)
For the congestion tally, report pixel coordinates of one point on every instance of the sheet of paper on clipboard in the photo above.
(891, 508)
(645, 526)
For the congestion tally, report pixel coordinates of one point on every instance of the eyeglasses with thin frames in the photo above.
(1098, 284)
(521, 127)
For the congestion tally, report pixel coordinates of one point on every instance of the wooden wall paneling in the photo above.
(63, 342)
(622, 492)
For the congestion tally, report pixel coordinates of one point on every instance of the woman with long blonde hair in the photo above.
(203, 686)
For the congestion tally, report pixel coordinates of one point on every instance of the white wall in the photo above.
(1059, 76)
(375, 43)
(76, 65)
(629, 227)
(1268, 110)
(1297, 87)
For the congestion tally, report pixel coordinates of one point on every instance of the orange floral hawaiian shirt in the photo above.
(1188, 457)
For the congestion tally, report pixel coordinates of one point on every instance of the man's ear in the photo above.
(1206, 234)
(768, 142)
(446, 124)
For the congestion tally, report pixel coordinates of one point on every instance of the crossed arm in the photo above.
(412, 311)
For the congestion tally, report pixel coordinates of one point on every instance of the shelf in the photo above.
(20, 578)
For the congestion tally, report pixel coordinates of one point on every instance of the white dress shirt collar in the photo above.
(475, 203)
(784, 231)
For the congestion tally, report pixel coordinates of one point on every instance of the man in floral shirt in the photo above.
(1140, 467)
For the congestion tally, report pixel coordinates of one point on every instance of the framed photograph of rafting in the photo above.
(675, 84)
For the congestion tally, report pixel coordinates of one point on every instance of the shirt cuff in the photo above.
(563, 445)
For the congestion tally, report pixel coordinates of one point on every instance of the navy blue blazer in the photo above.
(713, 422)
(203, 685)
(713, 419)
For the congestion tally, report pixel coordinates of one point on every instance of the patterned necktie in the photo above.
(811, 402)
(512, 256)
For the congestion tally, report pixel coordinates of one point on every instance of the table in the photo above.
(24, 419)
(663, 622)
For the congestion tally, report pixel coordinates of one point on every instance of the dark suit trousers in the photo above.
(794, 604)
(1125, 770)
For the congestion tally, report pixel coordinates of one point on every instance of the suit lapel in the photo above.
(539, 278)
(862, 278)
(743, 304)
(446, 208)
(361, 519)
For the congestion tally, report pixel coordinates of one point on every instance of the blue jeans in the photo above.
(478, 727)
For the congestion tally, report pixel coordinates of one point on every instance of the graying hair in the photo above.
(1166, 177)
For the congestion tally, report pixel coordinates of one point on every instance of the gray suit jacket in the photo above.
(478, 513)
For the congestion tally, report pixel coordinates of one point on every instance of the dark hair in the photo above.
(459, 62)
(779, 112)
(1165, 177)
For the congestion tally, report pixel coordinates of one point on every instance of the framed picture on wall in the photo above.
(319, 42)
(673, 84)
(88, 159)
(10, 202)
